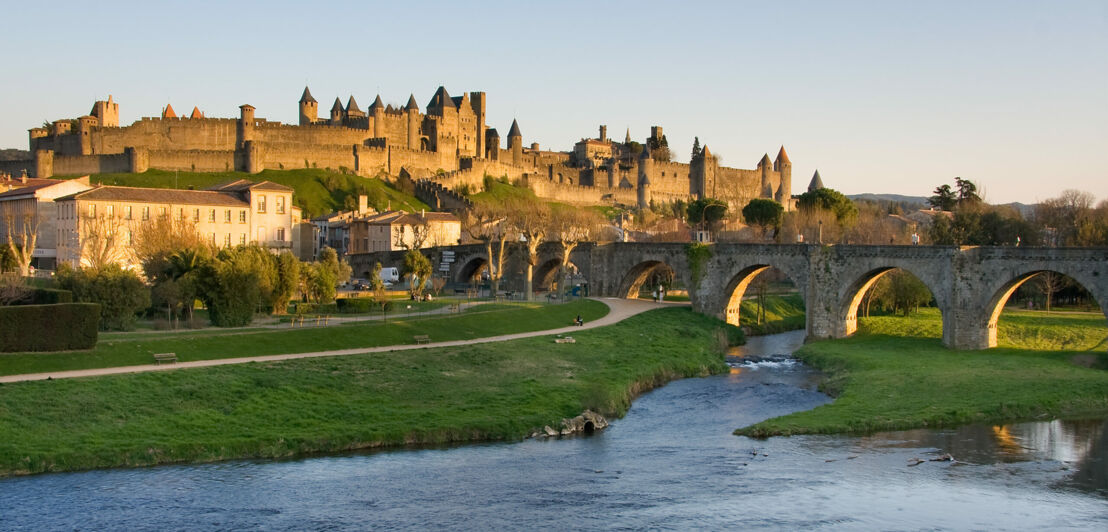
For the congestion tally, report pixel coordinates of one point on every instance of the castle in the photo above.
(446, 147)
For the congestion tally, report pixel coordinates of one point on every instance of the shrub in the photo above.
(49, 296)
(356, 305)
(61, 327)
(120, 293)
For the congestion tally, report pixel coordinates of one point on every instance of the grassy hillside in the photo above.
(317, 191)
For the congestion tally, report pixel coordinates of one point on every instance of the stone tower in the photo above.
(377, 111)
(309, 108)
(412, 112)
(702, 174)
(352, 109)
(784, 167)
(336, 112)
(246, 125)
(492, 144)
(646, 169)
(84, 131)
(765, 166)
(479, 101)
(107, 113)
(515, 143)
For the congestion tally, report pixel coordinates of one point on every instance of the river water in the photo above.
(671, 463)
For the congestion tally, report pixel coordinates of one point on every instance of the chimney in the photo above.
(363, 204)
(23, 178)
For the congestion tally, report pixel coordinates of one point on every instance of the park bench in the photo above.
(455, 308)
(422, 339)
(165, 357)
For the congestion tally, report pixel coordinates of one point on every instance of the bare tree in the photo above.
(13, 288)
(490, 225)
(104, 240)
(155, 242)
(420, 233)
(532, 221)
(1050, 283)
(570, 227)
(22, 238)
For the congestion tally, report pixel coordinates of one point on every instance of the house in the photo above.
(27, 208)
(234, 213)
(396, 230)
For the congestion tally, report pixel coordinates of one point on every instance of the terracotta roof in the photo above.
(28, 189)
(783, 157)
(168, 112)
(405, 218)
(514, 132)
(159, 195)
(307, 96)
(196, 113)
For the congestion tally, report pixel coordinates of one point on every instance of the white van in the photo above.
(390, 276)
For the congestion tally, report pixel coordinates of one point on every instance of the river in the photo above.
(671, 463)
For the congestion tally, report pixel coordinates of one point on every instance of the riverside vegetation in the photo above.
(498, 391)
(895, 374)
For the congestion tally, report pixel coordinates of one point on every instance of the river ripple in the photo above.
(671, 463)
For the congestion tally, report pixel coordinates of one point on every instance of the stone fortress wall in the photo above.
(449, 142)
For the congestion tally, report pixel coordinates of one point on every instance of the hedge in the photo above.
(357, 305)
(60, 327)
(49, 296)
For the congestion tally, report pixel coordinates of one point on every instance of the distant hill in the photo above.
(894, 198)
(14, 155)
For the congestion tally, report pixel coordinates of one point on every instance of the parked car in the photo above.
(361, 286)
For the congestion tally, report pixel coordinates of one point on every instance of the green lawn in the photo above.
(317, 191)
(499, 391)
(784, 312)
(134, 349)
(895, 374)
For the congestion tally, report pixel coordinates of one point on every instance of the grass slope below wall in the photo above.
(499, 391)
(895, 374)
(316, 191)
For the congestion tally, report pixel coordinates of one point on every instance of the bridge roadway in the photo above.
(970, 284)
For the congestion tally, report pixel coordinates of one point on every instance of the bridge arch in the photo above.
(471, 269)
(546, 273)
(735, 289)
(855, 291)
(984, 328)
(642, 272)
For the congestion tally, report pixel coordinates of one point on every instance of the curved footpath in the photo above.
(618, 310)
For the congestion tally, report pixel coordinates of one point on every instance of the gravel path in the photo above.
(619, 310)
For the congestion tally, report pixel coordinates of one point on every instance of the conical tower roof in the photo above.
(168, 112)
(441, 99)
(307, 96)
(377, 104)
(196, 113)
(627, 139)
(645, 154)
(412, 105)
(514, 132)
(783, 157)
(352, 106)
(816, 183)
(338, 105)
(765, 161)
(705, 152)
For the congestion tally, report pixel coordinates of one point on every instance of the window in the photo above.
(227, 240)
(242, 239)
(130, 238)
(211, 238)
(111, 211)
(242, 216)
(196, 215)
(280, 205)
(261, 203)
(281, 234)
(146, 213)
(227, 216)
(211, 215)
(92, 210)
(161, 212)
(181, 214)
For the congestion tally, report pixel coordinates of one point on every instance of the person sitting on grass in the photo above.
(578, 321)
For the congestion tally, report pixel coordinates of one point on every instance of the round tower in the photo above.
(411, 112)
(784, 167)
(309, 108)
(515, 143)
(336, 113)
(84, 130)
(246, 124)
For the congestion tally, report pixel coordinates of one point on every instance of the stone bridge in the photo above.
(970, 284)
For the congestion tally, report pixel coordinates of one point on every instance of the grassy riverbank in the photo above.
(883, 380)
(784, 312)
(129, 349)
(499, 391)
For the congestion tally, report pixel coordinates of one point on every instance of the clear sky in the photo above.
(880, 96)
